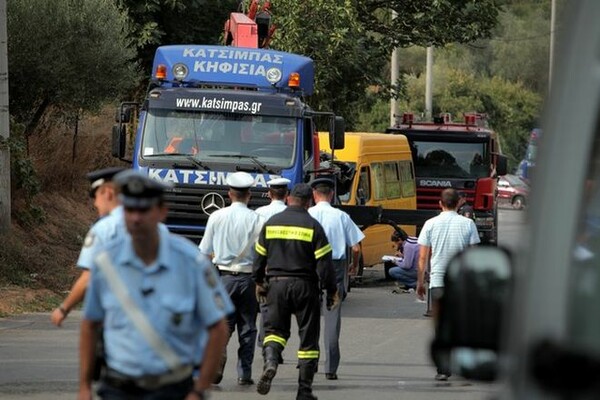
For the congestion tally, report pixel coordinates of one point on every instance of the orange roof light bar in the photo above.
(294, 80)
(161, 72)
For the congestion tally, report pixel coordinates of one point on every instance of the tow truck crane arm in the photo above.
(253, 29)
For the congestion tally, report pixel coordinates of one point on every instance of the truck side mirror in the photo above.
(468, 327)
(119, 134)
(501, 165)
(125, 114)
(336, 133)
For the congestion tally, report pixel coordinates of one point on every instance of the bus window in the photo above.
(379, 181)
(407, 178)
(392, 180)
(363, 192)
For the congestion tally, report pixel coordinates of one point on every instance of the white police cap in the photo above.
(240, 180)
(279, 183)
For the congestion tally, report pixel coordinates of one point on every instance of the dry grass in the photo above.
(37, 261)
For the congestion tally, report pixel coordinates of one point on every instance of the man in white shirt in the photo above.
(442, 237)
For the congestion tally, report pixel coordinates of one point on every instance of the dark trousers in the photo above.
(436, 294)
(241, 290)
(299, 297)
(123, 391)
(333, 321)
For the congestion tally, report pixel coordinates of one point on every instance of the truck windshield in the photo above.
(214, 137)
(450, 160)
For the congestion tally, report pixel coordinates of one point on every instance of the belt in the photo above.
(147, 382)
(234, 273)
(283, 278)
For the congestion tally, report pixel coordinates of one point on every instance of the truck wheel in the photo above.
(518, 202)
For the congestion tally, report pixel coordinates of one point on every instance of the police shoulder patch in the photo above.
(210, 276)
(89, 239)
(219, 302)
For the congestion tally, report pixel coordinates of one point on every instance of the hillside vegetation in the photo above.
(40, 251)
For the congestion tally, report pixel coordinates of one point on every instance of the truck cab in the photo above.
(214, 110)
(460, 155)
(540, 334)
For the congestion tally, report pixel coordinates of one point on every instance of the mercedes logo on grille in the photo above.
(212, 202)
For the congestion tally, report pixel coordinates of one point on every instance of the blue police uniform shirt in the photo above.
(275, 207)
(227, 233)
(103, 231)
(184, 297)
(340, 230)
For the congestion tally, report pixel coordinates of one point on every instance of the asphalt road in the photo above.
(384, 344)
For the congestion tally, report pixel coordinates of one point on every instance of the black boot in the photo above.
(271, 354)
(305, 380)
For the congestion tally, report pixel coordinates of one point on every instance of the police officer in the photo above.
(278, 190)
(341, 233)
(229, 236)
(106, 202)
(154, 294)
(298, 255)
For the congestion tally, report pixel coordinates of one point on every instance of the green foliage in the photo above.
(428, 23)
(160, 22)
(351, 40)
(331, 34)
(66, 55)
(24, 177)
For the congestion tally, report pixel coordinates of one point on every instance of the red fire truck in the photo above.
(462, 155)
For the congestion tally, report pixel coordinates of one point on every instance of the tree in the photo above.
(64, 54)
(351, 40)
(152, 23)
(331, 34)
(428, 23)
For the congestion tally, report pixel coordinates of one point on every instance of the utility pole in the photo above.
(394, 80)
(4, 126)
(552, 37)
(428, 84)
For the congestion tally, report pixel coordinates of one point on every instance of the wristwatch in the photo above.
(63, 310)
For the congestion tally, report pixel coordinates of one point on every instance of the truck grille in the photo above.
(428, 198)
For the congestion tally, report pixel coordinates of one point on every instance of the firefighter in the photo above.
(278, 190)
(298, 255)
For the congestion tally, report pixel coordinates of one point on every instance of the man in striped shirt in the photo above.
(441, 238)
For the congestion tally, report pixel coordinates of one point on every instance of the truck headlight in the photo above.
(273, 75)
(180, 71)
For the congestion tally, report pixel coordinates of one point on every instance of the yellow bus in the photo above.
(384, 177)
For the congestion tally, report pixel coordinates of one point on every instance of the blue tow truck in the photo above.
(213, 110)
